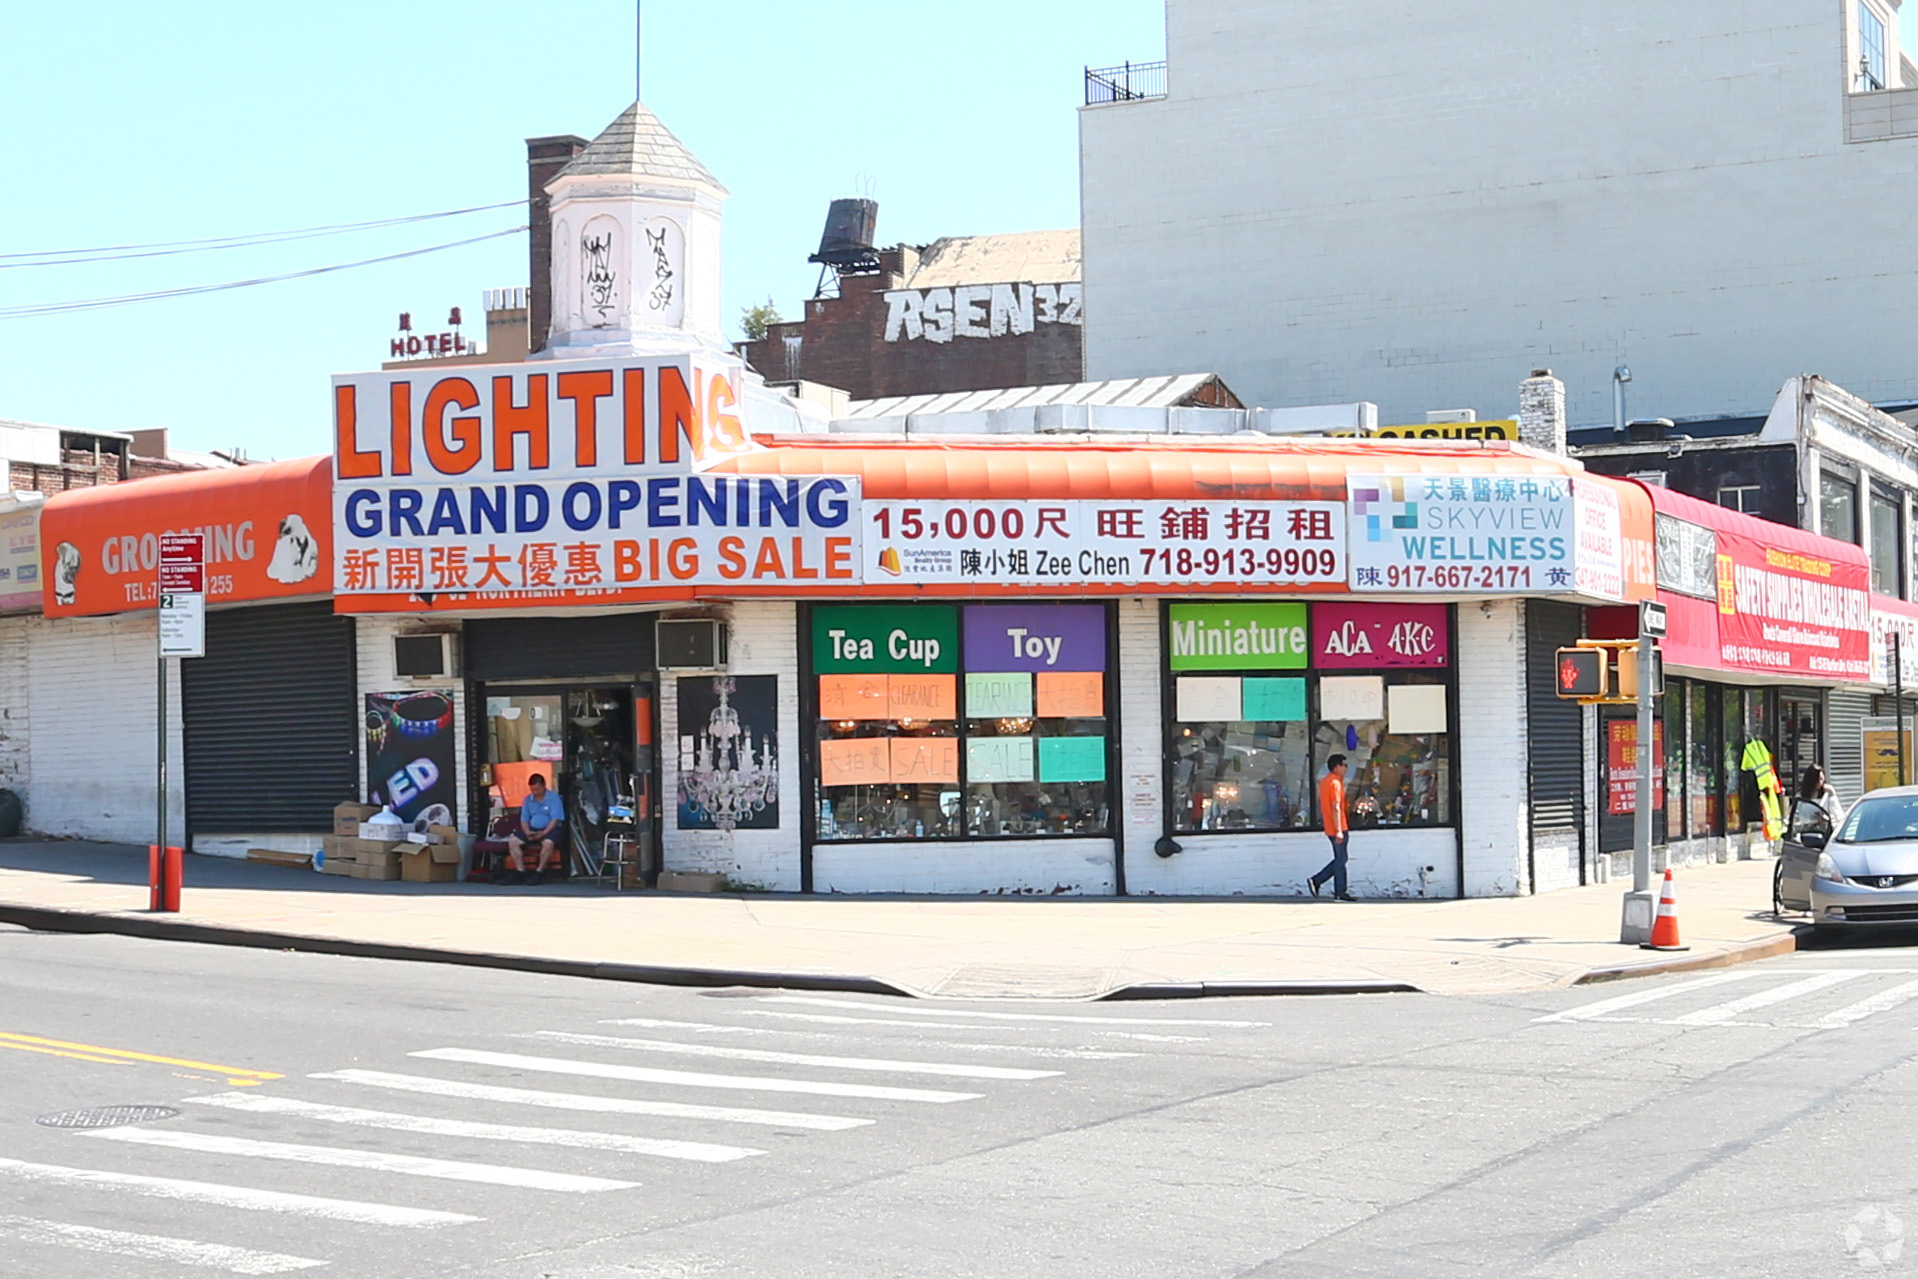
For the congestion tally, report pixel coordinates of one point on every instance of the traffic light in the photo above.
(1582, 672)
(1628, 673)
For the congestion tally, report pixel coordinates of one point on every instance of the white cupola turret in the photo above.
(636, 256)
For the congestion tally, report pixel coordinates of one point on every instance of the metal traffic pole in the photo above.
(1898, 701)
(1635, 926)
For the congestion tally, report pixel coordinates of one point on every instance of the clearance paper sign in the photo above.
(570, 482)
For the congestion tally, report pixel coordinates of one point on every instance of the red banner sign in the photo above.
(1621, 766)
(1789, 612)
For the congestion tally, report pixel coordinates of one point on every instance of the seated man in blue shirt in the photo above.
(542, 823)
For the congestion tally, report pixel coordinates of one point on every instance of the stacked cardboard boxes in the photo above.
(431, 857)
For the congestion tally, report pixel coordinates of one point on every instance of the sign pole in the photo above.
(1635, 922)
(181, 624)
(159, 834)
(1898, 700)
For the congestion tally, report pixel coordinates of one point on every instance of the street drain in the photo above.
(106, 1116)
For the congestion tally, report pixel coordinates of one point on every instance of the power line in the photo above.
(129, 299)
(168, 248)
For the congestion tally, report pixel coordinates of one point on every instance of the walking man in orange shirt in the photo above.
(1337, 828)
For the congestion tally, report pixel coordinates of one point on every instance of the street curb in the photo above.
(1234, 989)
(52, 920)
(1769, 948)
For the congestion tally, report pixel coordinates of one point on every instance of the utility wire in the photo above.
(129, 299)
(168, 248)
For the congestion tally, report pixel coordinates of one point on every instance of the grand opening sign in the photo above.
(582, 480)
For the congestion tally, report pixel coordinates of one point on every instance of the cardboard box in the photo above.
(384, 869)
(359, 850)
(347, 818)
(274, 857)
(682, 881)
(368, 830)
(446, 834)
(334, 866)
(431, 864)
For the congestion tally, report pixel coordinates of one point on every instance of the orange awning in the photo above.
(1266, 469)
(268, 536)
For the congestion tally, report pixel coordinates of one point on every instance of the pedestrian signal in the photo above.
(1582, 672)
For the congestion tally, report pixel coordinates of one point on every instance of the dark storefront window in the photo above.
(1261, 695)
(1887, 543)
(1837, 507)
(943, 721)
(1732, 718)
(1702, 776)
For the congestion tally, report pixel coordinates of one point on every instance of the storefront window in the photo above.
(897, 761)
(1262, 694)
(1701, 780)
(1837, 507)
(1675, 703)
(1733, 720)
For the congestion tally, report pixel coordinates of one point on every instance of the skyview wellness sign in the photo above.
(1462, 533)
(571, 481)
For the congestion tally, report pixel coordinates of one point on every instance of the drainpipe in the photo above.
(1620, 376)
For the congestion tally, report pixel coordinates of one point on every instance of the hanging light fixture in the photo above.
(734, 773)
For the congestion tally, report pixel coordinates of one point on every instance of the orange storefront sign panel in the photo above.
(267, 531)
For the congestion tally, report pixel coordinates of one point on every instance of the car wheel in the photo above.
(1778, 888)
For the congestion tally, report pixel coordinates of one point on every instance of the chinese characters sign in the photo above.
(1073, 542)
(1621, 766)
(1462, 533)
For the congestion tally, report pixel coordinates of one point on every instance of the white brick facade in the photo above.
(1336, 203)
(373, 640)
(16, 759)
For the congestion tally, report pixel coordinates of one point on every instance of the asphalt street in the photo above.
(372, 1118)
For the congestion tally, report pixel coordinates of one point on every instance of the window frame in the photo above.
(811, 721)
(1741, 492)
(1879, 496)
(1864, 71)
(1442, 676)
(1829, 481)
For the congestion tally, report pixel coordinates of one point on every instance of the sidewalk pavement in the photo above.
(943, 947)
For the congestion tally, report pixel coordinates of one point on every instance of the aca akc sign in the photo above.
(569, 481)
(1370, 636)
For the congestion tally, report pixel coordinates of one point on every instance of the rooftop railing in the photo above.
(1127, 82)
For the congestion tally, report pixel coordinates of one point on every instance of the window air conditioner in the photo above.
(698, 644)
(430, 656)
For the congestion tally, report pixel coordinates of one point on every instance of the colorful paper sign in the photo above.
(1415, 708)
(882, 638)
(922, 696)
(1072, 759)
(20, 552)
(855, 761)
(993, 694)
(1272, 699)
(1036, 637)
(1369, 636)
(998, 759)
(1069, 543)
(854, 697)
(1200, 698)
(1462, 533)
(1236, 637)
(1355, 697)
(925, 760)
(1070, 694)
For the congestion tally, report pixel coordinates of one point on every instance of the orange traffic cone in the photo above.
(1665, 927)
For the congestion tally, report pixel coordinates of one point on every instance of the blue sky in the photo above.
(137, 123)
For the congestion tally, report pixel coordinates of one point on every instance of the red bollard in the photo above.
(174, 877)
(155, 899)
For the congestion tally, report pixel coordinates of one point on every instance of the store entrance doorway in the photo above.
(593, 744)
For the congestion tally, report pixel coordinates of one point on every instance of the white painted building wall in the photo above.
(1494, 808)
(16, 761)
(763, 641)
(90, 697)
(1417, 207)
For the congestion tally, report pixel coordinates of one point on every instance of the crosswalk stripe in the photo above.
(1731, 1011)
(690, 1079)
(836, 1019)
(187, 1252)
(373, 1160)
(878, 1064)
(1033, 1050)
(1883, 1001)
(821, 1002)
(696, 1151)
(233, 1196)
(1605, 1007)
(599, 1105)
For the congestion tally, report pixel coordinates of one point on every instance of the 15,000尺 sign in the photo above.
(1069, 542)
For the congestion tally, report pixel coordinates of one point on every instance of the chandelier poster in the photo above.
(729, 752)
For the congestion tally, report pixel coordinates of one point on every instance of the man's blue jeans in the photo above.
(1334, 870)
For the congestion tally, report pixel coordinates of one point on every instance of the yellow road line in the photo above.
(55, 1052)
(10, 1039)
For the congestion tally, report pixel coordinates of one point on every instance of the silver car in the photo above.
(1864, 872)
